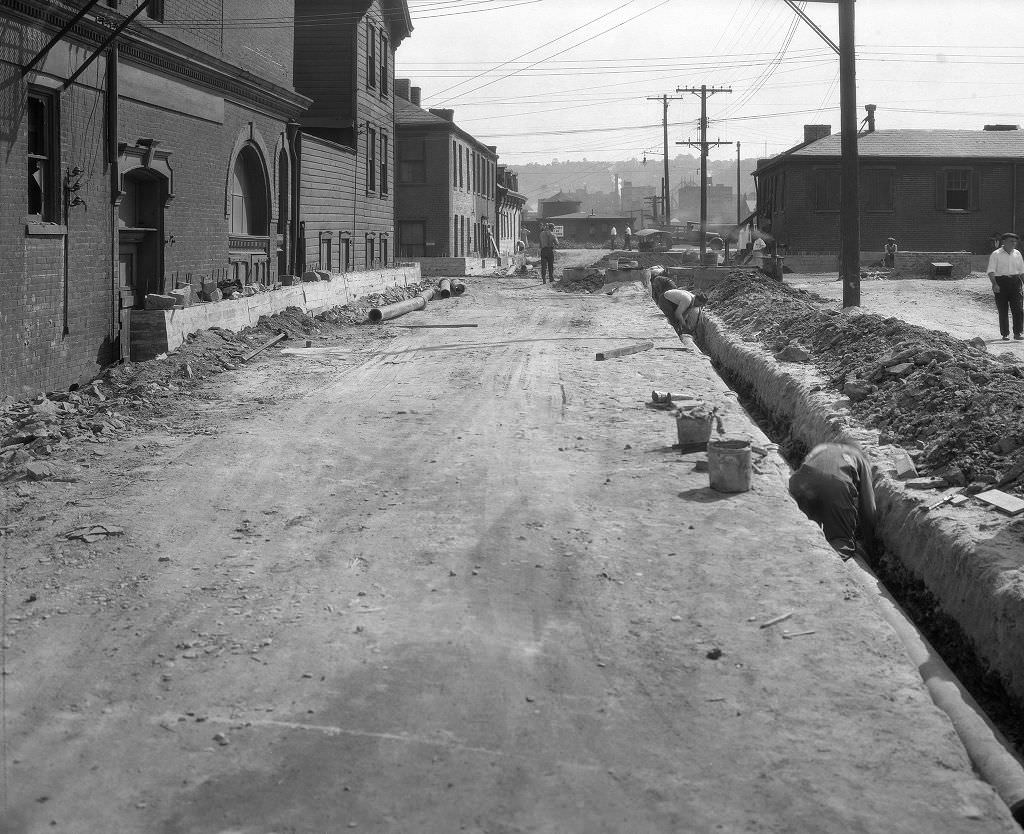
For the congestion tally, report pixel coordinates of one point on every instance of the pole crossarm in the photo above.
(817, 29)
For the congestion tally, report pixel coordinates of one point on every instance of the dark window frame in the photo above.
(371, 159)
(827, 189)
(412, 161)
(879, 196)
(385, 54)
(958, 187)
(155, 10)
(384, 152)
(43, 155)
(371, 56)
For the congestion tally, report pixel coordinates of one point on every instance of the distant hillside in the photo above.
(540, 181)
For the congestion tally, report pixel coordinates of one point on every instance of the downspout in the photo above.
(115, 283)
(293, 132)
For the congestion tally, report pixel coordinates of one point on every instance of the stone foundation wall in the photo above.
(919, 264)
(160, 331)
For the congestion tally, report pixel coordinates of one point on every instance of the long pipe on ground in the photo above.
(989, 751)
(444, 288)
(393, 311)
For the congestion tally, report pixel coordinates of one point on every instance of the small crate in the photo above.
(941, 269)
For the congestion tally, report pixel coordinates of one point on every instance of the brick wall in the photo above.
(916, 222)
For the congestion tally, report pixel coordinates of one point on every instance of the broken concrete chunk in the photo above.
(900, 370)
(155, 301)
(925, 483)
(978, 342)
(40, 470)
(793, 353)
(858, 389)
(905, 469)
(926, 357)
(182, 296)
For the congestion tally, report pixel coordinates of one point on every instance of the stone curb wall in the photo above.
(976, 580)
(160, 331)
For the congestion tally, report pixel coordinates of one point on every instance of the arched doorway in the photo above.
(249, 219)
(140, 235)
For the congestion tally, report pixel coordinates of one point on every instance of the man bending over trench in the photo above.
(682, 308)
(833, 488)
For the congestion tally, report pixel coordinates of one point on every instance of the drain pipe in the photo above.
(989, 751)
(393, 311)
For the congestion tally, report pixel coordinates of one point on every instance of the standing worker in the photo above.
(833, 488)
(615, 236)
(1006, 272)
(548, 242)
(890, 252)
(629, 239)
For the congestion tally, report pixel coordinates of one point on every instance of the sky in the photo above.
(570, 79)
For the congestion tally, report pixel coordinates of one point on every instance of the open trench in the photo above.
(791, 405)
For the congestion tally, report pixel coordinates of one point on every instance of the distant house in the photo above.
(509, 204)
(558, 204)
(446, 186)
(933, 190)
(344, 62)
(583, 227)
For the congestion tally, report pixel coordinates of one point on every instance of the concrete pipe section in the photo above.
(393, 311)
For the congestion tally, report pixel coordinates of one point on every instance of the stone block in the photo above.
(182, 296)
(793, 353)
(904, 464)
(213, 295)
(155, 301)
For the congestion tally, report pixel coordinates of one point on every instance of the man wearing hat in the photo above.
(1006, 272)
(890, 252)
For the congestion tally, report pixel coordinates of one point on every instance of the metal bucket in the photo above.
(729, 467)
(693, 426)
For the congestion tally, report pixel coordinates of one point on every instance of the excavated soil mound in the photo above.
(956, 408)
(590, 282)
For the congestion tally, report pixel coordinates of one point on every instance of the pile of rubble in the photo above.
(35, 434)
(957, 409)
(588, 280)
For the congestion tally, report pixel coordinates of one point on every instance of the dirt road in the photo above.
(454, 580)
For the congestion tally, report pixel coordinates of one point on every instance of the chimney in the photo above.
(443, 113)
(402, 87)
(812, 133)
(414, 95)
(870, 118)
(1002, 127)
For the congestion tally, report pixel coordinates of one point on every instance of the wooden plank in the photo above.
(1009, 504)
(623, 351)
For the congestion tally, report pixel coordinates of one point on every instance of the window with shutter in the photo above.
(958, 189)
(385, 52)
(827, 186)
(384, 151)
(371, 159)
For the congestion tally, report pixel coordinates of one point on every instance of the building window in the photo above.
(155, 10)
(455, 167)
(412, 239)
(370, 250)
(41, 113)
(371, 159)
(957, 190)
(345, 253)
(384, 54)
(412, 160)
(249, 215)
(826, 189)
(879, 191)
(462, 181)
(384, 152)
(371, 56)
(384, 243)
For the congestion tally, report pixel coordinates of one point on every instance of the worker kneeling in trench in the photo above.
(833, 488)
(683, 309)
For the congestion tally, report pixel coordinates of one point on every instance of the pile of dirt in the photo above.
(590, 281)
(956, 408)
(49, 426)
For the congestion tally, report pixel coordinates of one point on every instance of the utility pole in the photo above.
(666, 193)
(704, 91)
(654, 207)
(849, 206)
(739, 216)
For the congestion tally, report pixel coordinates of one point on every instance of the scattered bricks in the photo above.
(903, 463)
(858, 389)
(155, 301)
(901, 370)
(793, 353)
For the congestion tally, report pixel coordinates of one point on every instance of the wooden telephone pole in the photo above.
(703, 91)
(666, 192)
(849, 206)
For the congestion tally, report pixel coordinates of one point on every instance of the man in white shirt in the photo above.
(1006, 272)
(615, 234)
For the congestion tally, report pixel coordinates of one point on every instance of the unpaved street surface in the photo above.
(453, 579)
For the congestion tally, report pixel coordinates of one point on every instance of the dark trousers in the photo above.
(547, 262)
(1010, 298)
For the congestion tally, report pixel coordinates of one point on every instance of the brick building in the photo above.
(933, 190)
(447, 183)
(345, 62)
(163, 157)
(509, 204)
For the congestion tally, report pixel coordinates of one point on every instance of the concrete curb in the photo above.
(977, 581)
